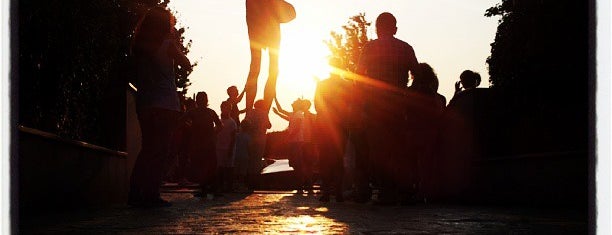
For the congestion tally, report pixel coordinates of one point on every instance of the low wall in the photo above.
(58, 173)
(559, 178)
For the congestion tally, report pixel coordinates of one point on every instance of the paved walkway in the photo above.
(286, 212)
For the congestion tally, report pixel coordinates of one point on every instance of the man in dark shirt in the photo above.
(385, 64)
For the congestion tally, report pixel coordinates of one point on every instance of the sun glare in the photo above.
(303, 61)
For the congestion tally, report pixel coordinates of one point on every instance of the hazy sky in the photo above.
(450, 35)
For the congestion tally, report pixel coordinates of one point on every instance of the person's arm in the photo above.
(457, 87)
(283, 116)
(179, 57)
(280, 109)
(218, 123)
(268, 124)
(239, 98)
(413, 64)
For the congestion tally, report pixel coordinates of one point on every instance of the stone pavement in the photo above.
(287, 212)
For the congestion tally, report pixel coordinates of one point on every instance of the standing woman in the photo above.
(155, 51)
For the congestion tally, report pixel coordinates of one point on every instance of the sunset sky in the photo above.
(451, 36)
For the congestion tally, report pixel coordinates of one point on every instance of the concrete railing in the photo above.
(54, 172)
(59, 173)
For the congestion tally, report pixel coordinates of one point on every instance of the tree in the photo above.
(347, 47)
(539, 43)
(72, 58)
(540, 62)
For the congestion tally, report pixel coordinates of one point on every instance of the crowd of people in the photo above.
(388, 113)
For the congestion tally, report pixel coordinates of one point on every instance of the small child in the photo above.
(234, 99)
(205, 126)
(225, 148)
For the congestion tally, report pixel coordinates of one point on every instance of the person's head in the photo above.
(225, 107)
(155, 26)
(386, 25)
(426, 78)
(189, 104)
(232, 91)
(296, 105)
(259, 105)
(469, 79)
(202, 99)
(306, 105)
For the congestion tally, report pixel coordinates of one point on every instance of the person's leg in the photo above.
(251, 83)
(270, 88)
(149, 167)
(325, 163)
(338, 169)
(307, 163)
(256, 148)
(296, 161)
(362, 167)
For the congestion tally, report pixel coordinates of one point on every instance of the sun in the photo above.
(303, 61)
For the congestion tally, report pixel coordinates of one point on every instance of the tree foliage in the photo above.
(539, 43)
(540, 63)
(347, 46)
(72, 58)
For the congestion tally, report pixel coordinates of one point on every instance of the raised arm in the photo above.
(179, 56)
(280, 109)
(239, 98)
(283, 116)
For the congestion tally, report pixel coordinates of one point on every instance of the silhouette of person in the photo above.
(467, 134)
(182, 137)
(358, 138)
(462, 102)
(332, 102)
(299, 136)
(256, 123)
(424, 107)
(205, 126)
(155, 51)
(387, 62)
(467, 80)
(309, 155)
(233, 100)
(263, 19)
(241, 159)
(295, 132)
(226, 139)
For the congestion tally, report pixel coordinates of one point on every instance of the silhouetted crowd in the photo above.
(374, 130)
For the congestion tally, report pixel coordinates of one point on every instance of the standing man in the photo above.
(385, 63)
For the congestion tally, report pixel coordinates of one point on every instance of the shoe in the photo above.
(339, 198)
(324, 198)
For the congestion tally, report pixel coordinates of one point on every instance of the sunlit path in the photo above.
(287, 212)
